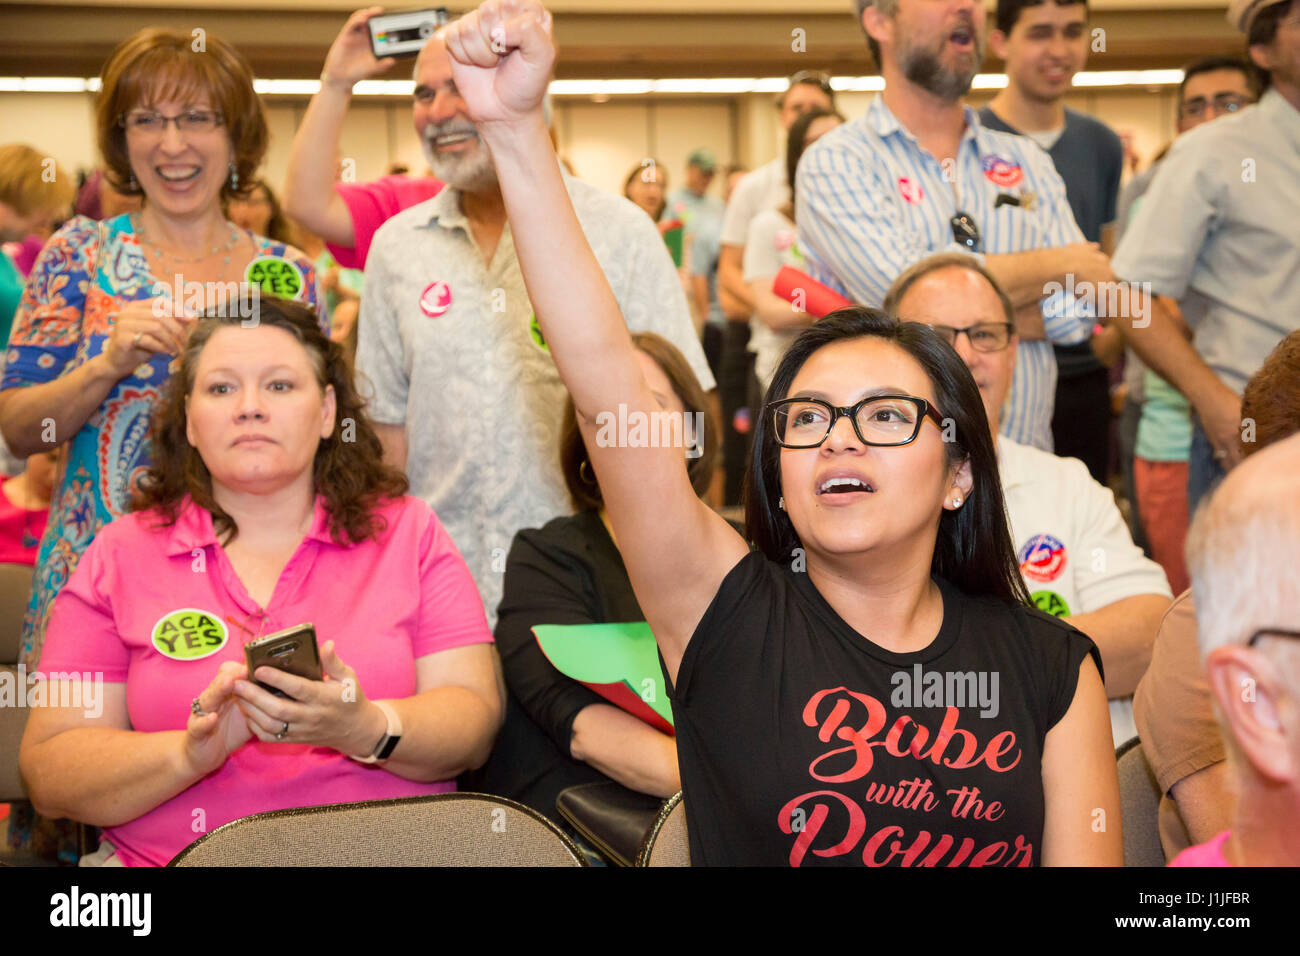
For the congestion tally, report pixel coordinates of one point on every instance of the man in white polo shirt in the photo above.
(1219, 232)
(1074, 550)
(465, 395)
(919, 174)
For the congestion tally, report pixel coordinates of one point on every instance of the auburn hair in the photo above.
(154, 65)
(349, 471)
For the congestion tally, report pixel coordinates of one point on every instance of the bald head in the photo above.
(1243, 549)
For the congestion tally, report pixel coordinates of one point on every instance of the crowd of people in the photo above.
(412, 412)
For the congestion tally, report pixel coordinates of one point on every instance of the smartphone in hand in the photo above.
(293, 649)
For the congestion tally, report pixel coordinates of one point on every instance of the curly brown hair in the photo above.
(349, 471)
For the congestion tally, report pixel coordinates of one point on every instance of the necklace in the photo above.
(137, 223)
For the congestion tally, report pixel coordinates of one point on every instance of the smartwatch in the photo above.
(388, 742)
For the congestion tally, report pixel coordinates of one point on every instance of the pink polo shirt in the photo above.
(374, 203)
(149, 607)
(1209, 853)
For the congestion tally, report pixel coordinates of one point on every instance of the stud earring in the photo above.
(131, 183)
(234, 178)
(956, 502)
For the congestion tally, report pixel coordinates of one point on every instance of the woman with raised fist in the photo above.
(869, 686)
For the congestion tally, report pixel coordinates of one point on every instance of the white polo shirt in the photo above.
(1074, 550)
(451, 348)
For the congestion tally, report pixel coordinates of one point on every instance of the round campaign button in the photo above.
(1051, 602)
(436, 299)
(911, 191)
(189, 634)
(275, 275)
(1042, 558)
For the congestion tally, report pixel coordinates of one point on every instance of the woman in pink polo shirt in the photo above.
(267, 506)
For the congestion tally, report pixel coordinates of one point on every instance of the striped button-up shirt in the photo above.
(872, 202)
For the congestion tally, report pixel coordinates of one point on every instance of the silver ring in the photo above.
(196, 708)
(283, 730)
(135, 342)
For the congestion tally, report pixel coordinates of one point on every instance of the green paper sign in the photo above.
(618, 661)
(189, 634)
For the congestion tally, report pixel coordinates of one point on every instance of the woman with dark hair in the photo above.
(870, 686)
(108, 304)
(268, 506)
(558, 733)
(771, 244)
(259, 212)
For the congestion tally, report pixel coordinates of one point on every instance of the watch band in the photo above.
(388, 742)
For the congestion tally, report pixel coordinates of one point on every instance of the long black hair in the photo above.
(796, 143)
(973, 550)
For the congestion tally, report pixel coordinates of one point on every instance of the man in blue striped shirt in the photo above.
(919, 174)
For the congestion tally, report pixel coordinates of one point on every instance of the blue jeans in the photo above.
(1204, 472)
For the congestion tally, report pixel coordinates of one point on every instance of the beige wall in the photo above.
(602, 140)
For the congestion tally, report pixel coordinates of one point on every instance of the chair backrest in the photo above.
(666, 842)
(1139, 801)
(446, 829)
(15, 589)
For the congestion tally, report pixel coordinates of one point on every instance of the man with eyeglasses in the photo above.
(1074, 550)
(1243, 551)
(1217, 232)
(1155, 425)
(920, 174)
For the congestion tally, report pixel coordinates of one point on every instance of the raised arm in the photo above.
(309, 195)
(677, 550)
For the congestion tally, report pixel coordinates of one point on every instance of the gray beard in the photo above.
(468, 174)
(924, 69)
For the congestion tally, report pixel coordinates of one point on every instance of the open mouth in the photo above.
(177, 174)
(444, 140)
(843, 486)
(962, 37)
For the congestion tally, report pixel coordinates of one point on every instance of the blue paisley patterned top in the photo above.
(65, 318)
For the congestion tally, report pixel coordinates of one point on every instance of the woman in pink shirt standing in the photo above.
(267, 506)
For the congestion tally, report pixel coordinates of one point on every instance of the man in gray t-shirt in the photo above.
(466, 395)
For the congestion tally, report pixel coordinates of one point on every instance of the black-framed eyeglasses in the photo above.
(1270, 632)
(881, 420)
(983, 336)
(1221, 104)
(965, 231)
(153, 123)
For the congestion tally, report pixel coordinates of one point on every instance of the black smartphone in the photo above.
(404, 34)
(293, 650)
